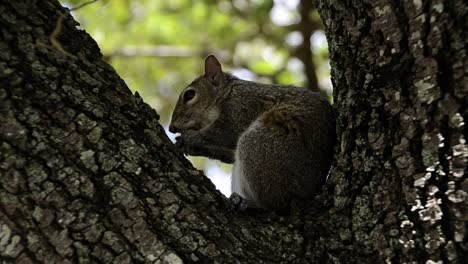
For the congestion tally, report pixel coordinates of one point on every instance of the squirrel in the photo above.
(280, 138)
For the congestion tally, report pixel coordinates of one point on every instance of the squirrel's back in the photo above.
(286, 152)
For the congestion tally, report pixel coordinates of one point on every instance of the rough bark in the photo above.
(400, 88)
(88, 175)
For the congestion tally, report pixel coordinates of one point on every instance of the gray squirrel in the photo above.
(280, 138)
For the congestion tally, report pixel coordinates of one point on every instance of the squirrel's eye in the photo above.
(188, 95)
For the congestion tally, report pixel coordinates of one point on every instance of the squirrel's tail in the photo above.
(285, 118)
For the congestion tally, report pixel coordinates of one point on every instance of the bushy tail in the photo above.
(286, 118)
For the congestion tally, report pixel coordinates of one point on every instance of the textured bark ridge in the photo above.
(400, 76)
(88, 175)
(87, 172)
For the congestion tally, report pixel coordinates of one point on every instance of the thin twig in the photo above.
(53, 36)
(59, 25)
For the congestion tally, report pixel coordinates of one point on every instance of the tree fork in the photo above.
(88, 174)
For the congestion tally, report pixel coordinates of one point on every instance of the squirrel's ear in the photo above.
(213, 69)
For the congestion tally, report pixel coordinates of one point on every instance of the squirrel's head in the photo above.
(196, 107)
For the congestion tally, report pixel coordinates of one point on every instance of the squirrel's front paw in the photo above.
(239, 202)
(186, 142)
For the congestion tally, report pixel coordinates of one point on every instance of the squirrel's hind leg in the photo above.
(262, 168)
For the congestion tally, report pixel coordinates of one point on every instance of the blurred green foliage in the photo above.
(158, 47)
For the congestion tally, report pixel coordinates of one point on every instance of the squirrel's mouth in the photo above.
(173, 129)
(179, 127)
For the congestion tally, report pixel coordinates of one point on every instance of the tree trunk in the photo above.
(88, 174)
(304, 52)
(400, 88)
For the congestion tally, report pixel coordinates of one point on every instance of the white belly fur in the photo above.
(239, 182)
(237, 177)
